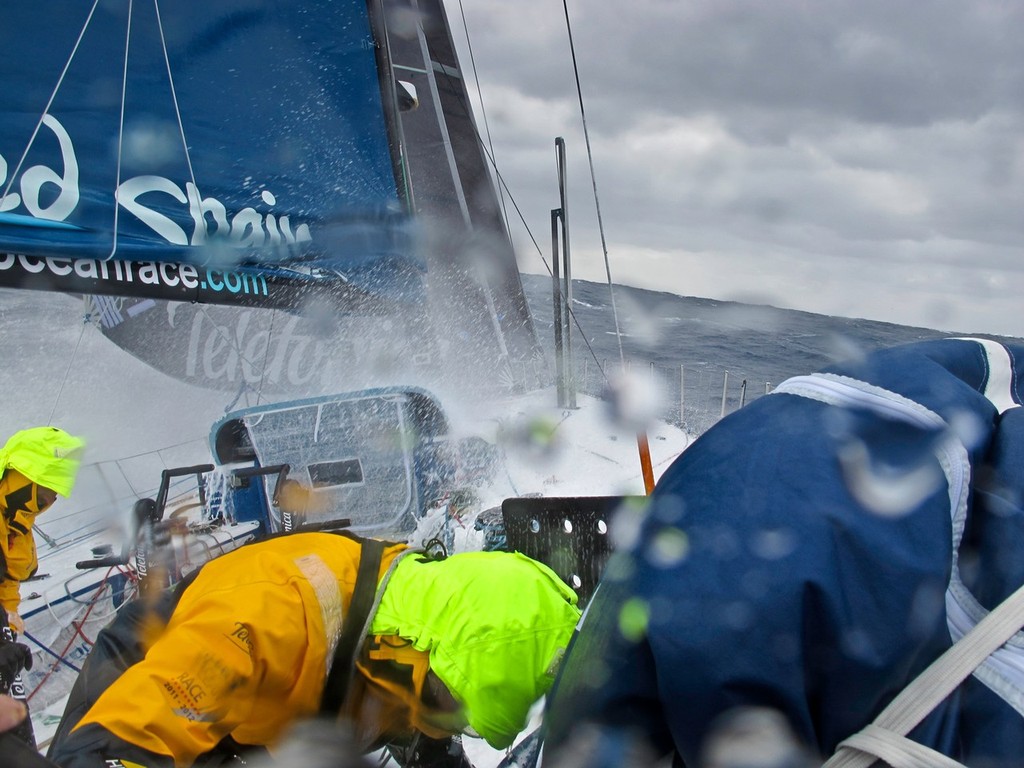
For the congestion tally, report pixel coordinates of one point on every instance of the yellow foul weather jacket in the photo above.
(31, 460)
(245, 653)
(17, 547)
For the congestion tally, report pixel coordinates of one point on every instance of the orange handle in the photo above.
(645, 462)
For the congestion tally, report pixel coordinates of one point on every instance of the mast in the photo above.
(390, 100)
(470, 260)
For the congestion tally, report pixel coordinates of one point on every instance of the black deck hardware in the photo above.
(569, 534)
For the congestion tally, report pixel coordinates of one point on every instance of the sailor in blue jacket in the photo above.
(809, 556)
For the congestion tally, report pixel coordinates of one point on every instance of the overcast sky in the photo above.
(862, 158)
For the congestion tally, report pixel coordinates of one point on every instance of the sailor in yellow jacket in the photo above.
(258, 641)
(36, 465)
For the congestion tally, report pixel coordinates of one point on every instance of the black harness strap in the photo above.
(344, 662)
(18, 754)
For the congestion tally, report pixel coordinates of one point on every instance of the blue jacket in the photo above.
(812, 553)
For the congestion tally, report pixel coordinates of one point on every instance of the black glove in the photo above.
(14, 657)
(432, 753)
(18, 754)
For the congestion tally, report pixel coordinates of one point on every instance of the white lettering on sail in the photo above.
(254, 353)
(211, 219)
(152, 273)
(12, 200)
(240, 352)
(199, 209)
(34, 179)
(86, 268)
(189, 276)
(29, 264)
(60, 267)
(148, 273)
(248, 227)
(128, 193)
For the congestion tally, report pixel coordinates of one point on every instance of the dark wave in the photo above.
(700, 340)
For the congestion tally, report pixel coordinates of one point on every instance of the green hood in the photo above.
(495, 625)
(45, 455)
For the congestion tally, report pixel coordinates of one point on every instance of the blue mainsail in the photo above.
(267, 157)
(210, 146)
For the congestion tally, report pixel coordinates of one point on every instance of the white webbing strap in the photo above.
(897, 751)
(918, 699)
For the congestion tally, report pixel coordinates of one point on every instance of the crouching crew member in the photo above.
(407, 652)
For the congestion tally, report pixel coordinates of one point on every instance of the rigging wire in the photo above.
(67, 372)
(643, 447)
(236, 345)
(483, 112)
(459, 185)
(49, 103)
(120, 129)
(593, 180)
(266, 354)
(504, 189)
(177, 109)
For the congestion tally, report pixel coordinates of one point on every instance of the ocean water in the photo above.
(718, 354)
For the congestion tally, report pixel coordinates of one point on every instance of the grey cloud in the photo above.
(835, 138)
